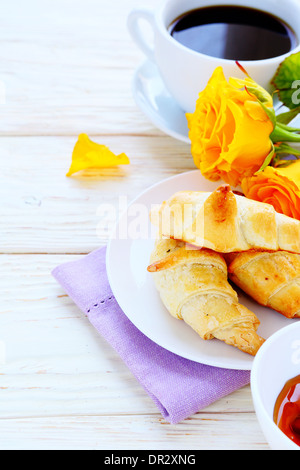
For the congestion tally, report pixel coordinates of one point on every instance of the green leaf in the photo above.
(288, 128)
(286, 118)
(287, 81)
(281, 134)
(283, 156)
(267, 160)
(285, 165)
(261, 94)
(270, 113)
(263, 97)
(285, 149)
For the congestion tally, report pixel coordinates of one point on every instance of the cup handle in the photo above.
(134, 27)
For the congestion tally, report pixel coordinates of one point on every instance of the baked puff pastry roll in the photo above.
(225, 222)
(193, 285)
(272, 279)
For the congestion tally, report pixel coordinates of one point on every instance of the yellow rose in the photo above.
(229, 130)
(279, 187)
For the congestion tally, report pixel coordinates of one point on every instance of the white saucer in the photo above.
(157, 104)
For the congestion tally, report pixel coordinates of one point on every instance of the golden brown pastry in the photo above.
(193, 285)
(226, 223)
(272, 279)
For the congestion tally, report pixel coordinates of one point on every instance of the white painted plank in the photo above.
(63, 379)
(67, 67)
(42, 211)
(56, 363)
(216, 432)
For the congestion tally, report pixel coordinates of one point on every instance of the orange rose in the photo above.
(279, 187)
(229, 130)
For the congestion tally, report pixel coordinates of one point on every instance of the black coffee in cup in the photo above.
(234, 33)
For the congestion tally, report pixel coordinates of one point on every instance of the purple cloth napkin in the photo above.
(179, 387)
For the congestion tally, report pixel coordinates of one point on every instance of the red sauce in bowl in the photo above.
(287, 410)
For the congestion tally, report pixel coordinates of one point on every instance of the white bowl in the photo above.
(277, 361)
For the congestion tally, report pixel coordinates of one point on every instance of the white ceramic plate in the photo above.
(157, 104)
(133, 287)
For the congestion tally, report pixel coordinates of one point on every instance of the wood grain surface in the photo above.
(67, 67)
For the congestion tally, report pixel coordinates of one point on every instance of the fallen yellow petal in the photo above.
(90, 155)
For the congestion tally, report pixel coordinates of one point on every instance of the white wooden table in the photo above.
(67, 67)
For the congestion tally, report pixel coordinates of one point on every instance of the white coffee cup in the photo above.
(186, 72)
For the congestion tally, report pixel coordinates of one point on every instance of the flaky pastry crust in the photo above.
(193, 285)
(270, 278)
(225, 222)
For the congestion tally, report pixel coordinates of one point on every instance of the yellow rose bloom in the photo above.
(229, 130)
(279, 187)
